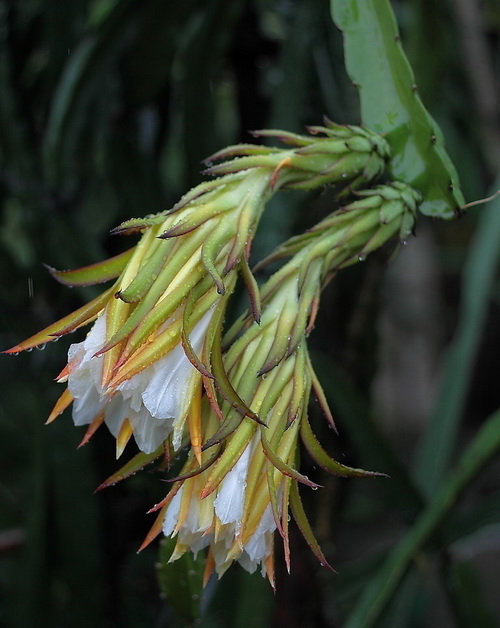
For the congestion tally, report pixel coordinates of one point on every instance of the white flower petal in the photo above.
(165, 395)
(116, 412)
(257, 547)
(231, 493)
(149, 433)
(172, 513)
(155, 401)
(81, 384)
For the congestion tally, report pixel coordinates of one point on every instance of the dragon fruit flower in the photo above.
(167, 302)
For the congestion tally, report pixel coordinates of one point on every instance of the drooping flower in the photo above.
(166, 306)
(240, 495)
(151, 404)
(232, 501)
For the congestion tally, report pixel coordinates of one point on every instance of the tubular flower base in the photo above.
(139, 366)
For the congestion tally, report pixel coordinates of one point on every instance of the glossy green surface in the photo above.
(390, 104)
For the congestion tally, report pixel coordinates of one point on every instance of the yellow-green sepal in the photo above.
(319, 455)
(94, 273)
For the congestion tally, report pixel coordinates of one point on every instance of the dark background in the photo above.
(107, 108)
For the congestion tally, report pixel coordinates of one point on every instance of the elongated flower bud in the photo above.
(344, 155)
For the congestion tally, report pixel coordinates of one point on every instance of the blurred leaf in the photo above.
(465, 596)
(381, 589)
(33, 601)
(182, 580)
(292, 90)
(463, 524)
(478, 280)
(203, 65)
(84, 73)
(149, 59)
(59, 577)
(240, 600)
(391, 106)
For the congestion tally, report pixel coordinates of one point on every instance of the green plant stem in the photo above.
(485, 445)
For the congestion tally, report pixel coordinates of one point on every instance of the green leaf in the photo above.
(478, 281)
(391, 106)
(82, 77)
(381, 589)
(464, 524)
(466, 597)
(182, 580)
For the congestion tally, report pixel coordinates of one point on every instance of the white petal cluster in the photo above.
(224, 508)
(155, 401)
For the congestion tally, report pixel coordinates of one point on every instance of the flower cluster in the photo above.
(233, 501)
(156, 364)
(137, 369)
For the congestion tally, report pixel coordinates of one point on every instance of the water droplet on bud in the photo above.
(361, 257)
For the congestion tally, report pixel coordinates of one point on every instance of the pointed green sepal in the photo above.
(138, 462)
(285, 137)
(212, 246)
(69, 323)
(226, 388)
(196, 471)
(273, 497)
(319, 393)
(252, 289)
(319, 455)
(228, 426)
(136, 225)
(240, 150)
(301, 520)
(94, 273)
(147, 273)
(281, 465)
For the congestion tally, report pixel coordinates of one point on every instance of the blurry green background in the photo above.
(107, 108)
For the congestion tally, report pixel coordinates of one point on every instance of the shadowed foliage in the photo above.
(107, 109)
